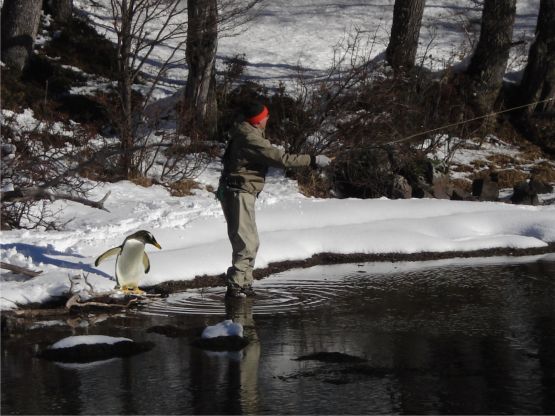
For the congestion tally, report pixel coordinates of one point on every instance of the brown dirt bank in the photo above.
(333, 258)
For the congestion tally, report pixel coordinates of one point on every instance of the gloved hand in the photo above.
(322, 161)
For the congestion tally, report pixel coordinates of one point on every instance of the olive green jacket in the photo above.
(249, 155)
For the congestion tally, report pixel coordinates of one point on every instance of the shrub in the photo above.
(363, 173)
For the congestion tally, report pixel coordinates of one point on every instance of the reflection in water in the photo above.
(441, 339)
(226, 382)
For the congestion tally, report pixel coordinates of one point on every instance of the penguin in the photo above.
(131, 260)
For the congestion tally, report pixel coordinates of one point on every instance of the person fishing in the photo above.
(246, 160)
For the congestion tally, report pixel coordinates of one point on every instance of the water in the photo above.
(466, 337)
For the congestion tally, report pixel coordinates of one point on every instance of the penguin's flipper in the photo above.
(112, 252)
(146, 263)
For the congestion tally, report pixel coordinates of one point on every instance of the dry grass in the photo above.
(530, 153)
(479, 164)
(500, 160)
(464, 184)
(462, 168)
(510, 177)
(142, 181)
(313, 184)
(183, 187)
(544, 171)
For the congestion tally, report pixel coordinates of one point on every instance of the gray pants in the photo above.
(238, 210)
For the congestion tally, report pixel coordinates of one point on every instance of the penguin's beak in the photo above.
(158, 246)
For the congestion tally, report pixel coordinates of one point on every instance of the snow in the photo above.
(192, 233)
(87, 340)
(192, 229)
(26, 121)
(288, 35)
(226, 328)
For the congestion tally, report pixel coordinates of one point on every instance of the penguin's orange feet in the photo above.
(129, 290)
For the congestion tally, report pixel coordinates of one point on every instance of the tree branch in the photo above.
(37, 194)
(20, 270)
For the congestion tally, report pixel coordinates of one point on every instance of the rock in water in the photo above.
(84, 349)
(224, 336)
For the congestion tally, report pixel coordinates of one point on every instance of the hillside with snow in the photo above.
(286, 37)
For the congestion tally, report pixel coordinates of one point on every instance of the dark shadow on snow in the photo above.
(42, 255)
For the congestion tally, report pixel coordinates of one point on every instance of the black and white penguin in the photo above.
(131, 261)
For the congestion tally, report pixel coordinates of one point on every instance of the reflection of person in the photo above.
(240, 311)
(227, 382)
(246, 161)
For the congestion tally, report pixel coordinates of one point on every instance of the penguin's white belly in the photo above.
(129, 266)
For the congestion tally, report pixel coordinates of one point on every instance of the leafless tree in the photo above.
(38, 168)
(141, 26)
(20, 22)
(331, 97)
(405, 30)
(199, 103)
(207, 21)
(176, 158)
(489, 61)
(538, 81)
(534, 97)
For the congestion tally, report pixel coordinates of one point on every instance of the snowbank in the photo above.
(192, 232)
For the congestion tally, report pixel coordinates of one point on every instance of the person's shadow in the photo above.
(228, 382)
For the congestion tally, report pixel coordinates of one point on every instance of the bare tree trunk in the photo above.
(20, 22)
(126, 127)
(125, 84)
(538, 81)
(199, 117)
(489, 62)
(405, 30)
(61, 10)
(535, 122)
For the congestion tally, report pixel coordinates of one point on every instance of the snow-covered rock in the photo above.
(87, 348)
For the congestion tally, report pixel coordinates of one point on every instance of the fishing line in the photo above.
(412, 136)
(472, 119)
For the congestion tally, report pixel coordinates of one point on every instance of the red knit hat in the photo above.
(255, 112)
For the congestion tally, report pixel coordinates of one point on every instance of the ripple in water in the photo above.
(271, 298)
(463, 289)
